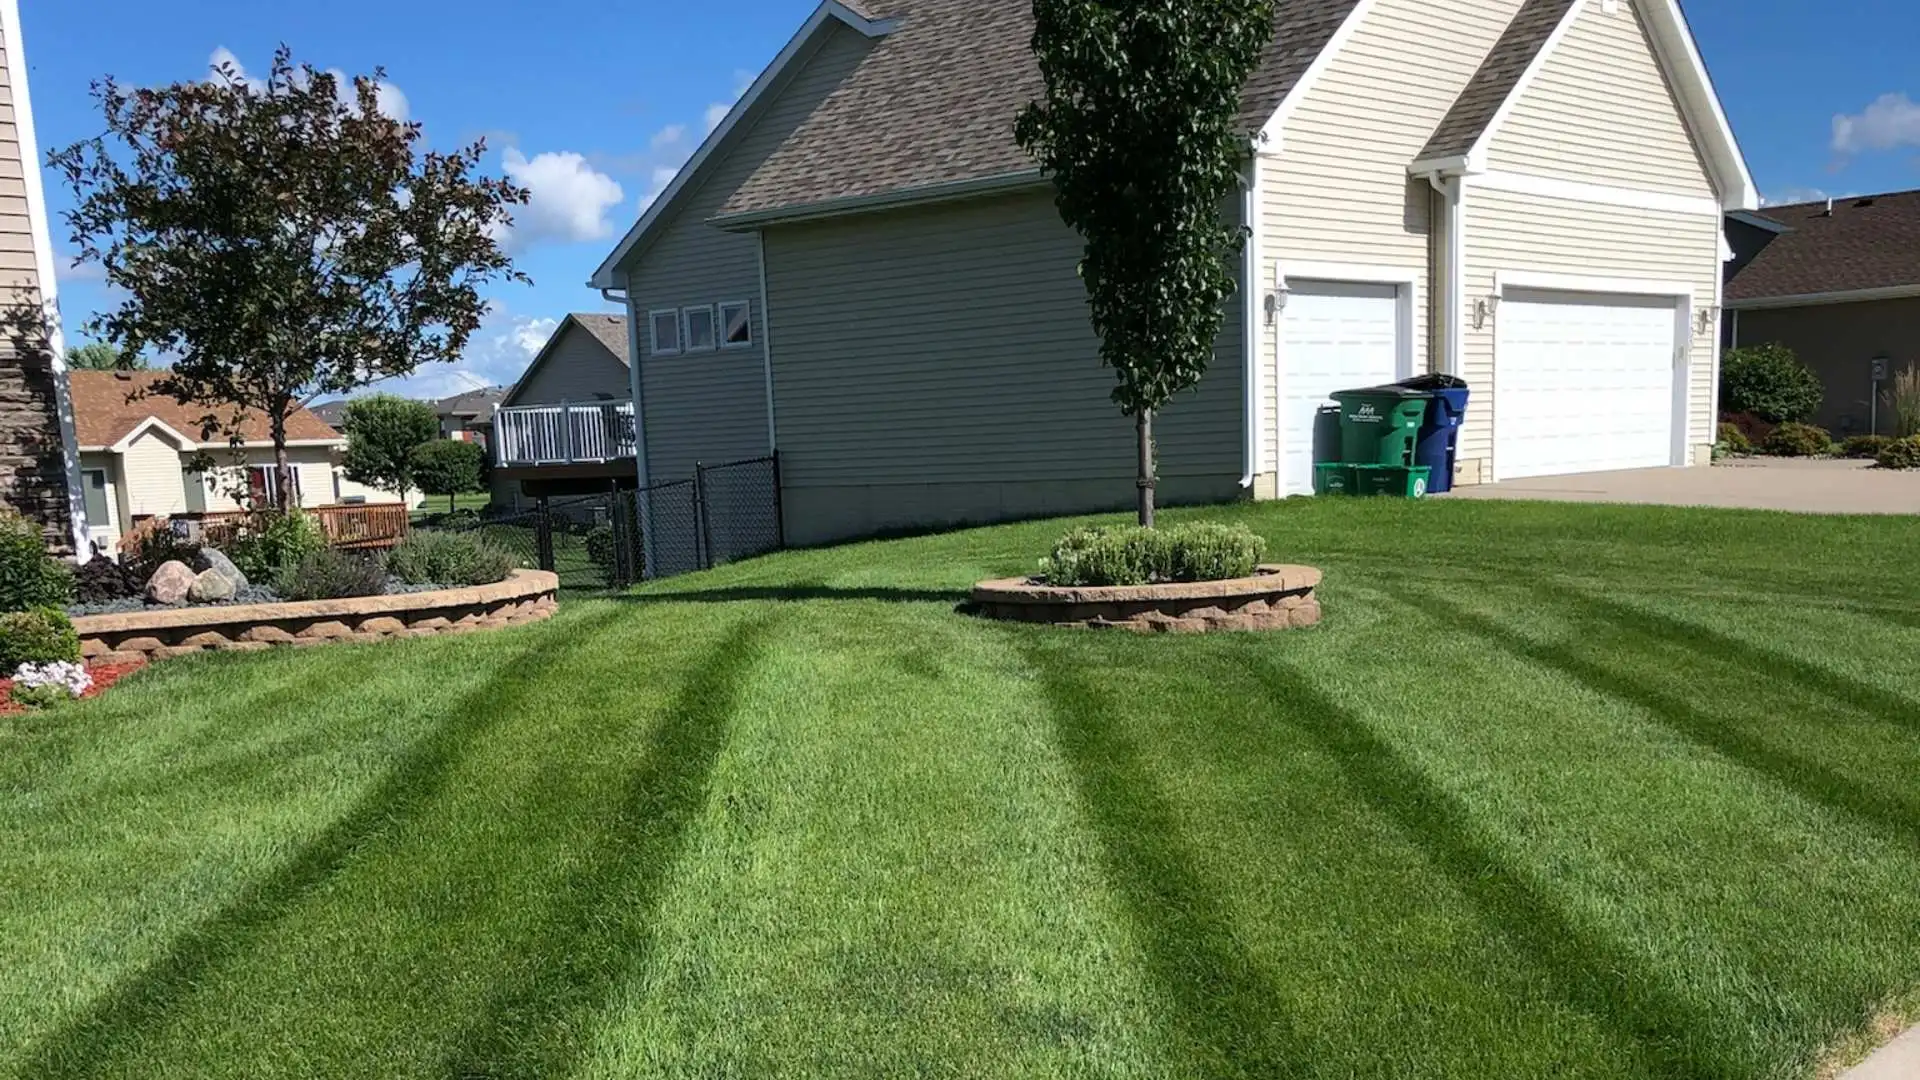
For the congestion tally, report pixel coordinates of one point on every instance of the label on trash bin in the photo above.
(1365, 414)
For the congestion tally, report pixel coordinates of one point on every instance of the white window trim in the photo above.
(1602, 194)
(653, 332)
(720, 324)
(686, 328)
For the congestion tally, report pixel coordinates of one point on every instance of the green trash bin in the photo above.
(1381, 425)
(1332, 478)
(1399, 481)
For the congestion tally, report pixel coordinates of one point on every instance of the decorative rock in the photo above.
(208, 639)
(93, 647)
(266, 635)
(170, 583)
(332, 628)
(140, 645)
(212, 559)
(1274, 598)
(382, 624)
(210, 586)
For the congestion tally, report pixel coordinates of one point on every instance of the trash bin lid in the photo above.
(1393, 391)
(1435, 381)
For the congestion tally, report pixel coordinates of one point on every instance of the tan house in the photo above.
(1838, 282)
(38, 464)
(566, 427)
(139, 458)
(860, 269)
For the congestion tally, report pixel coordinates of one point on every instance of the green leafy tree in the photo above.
(1770, 382)
(102, 356)
(383, 431)
(281, 240)
(449, 467)
(1138, 131)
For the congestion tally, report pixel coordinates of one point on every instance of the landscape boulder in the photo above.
(214, 560)
(170, 583)
(210, 586)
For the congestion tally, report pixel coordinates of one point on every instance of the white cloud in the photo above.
(1890, 122)
(1793, 195)
(568, 199)
(662, 176)
(497, 355)
(671, 136)
(223, 59)
(66, 273)
(717, 112)
(389, 99)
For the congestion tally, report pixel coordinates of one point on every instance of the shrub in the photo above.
(43, 685)
(103, 581)
(449, 558)
(1203, 551)
(1864, 446)
(154, 545)
(29, 576)
(1903, 402)
(40, 636)
(269, 541)
(1901, 454)
(329, 574)
(448, 467)
(1770, 382)
(1733, 440)
(1799, 440)
(1755, 429)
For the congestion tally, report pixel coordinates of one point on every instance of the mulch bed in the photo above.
(104, 676)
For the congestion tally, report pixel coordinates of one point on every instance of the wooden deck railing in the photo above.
(361, 526)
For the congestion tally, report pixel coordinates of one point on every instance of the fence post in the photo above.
(779, 509)
(543, 533)
(702, 550)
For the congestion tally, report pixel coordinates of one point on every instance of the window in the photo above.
(736, 324)
(700, 332)
(98, 517)
(666, 331)
(263, 485)
(195, 486)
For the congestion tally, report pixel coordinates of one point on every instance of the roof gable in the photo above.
(108, 406)
(607, 331)
(1868, 244)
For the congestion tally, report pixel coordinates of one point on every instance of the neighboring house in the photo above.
(138, 453)
(39, 467)
(1838, 282)
(332, 413)
(469, 416)
(860, 269)
(566, 427)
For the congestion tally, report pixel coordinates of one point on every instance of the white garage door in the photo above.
(1334, 336)
(1585, 382)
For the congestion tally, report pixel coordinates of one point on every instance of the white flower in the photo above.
(68, 676)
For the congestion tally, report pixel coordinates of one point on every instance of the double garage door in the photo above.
(1584, 382)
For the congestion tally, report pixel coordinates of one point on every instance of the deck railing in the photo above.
(347, 525)
(563, 434)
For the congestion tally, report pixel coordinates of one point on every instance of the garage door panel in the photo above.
(1585, 382)
(1334, 336)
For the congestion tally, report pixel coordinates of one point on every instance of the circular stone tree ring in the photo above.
(1274, 598)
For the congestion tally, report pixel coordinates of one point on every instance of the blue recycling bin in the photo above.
(1439, 436)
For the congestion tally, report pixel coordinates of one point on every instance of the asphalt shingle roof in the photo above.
(1870, 242)
(108, 405)
(1499, 73)
(608, 330)
(934, 102)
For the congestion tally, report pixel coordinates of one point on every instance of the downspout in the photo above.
(1250, 303)
(642, 499)
(1452, 271)
(766, 343)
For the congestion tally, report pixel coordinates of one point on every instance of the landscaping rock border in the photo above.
(1274, 598)
(526, 596)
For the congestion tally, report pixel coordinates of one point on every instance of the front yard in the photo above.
(1570, 791)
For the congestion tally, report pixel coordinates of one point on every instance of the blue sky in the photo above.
(592, 104)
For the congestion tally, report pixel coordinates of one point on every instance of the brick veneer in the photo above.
(1276, 598)
(527, 596)
(33, 471)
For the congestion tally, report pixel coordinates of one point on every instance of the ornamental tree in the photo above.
(281, 240)
(1138, 131)
(100, 356)
(449, 467)
(382, 431)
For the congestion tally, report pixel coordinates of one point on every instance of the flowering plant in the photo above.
(45, 684)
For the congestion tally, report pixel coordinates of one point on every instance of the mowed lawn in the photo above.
(1556, 791)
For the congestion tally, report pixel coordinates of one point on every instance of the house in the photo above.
(468, 416)
(1838, 282)
(860, 269)
(566, 427)
(39, 464)
(139, 451)
(331, 413)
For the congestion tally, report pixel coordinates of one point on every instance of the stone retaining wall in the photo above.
(527, 596)
(1276, 598)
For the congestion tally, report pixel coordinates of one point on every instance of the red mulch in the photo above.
(104, 676)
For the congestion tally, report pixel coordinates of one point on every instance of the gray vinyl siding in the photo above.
(578, 369)
(712, 406)
(936, 366)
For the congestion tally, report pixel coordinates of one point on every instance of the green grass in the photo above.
(437, 504)
(1555, 791)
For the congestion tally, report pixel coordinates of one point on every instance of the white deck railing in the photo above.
(562, 434)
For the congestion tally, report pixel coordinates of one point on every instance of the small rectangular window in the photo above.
(666, 331)
(736, 324)
(700, 332)
(98, 516)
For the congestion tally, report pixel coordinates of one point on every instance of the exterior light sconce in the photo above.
(1483, 311)
(1703, 319)
(1276, 302)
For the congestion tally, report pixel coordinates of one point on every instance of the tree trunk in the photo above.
(282, 468)
(1143, 428)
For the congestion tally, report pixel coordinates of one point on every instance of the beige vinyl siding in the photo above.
(578, 369)
(346, 489)
(151, 466)
(16, 234)
(712, 406)
(1601, 111)
(1530, 233)
(936, 365)
(1337, 189)
(315, 464)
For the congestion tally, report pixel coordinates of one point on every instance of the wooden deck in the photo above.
(356, 526)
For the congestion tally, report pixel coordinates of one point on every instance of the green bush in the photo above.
(1864, 446)
(329, 574)
(1901, 454)
(29, 576)
(1903, 401)
(1770, 382)
(449, 558)
(1733, 440)
(1799, 440)
(1203, 551)
(270, 541)
(39, 636)
(153, 546)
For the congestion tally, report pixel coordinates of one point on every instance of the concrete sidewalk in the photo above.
(1898, 1060)
(1811, 486)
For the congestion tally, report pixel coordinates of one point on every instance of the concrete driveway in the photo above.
(1800, 485)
